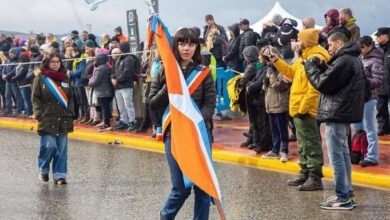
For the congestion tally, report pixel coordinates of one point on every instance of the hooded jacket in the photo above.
(341, 84)
(374, 70)
(125, 67)
(286, 33)
(10, 70)
(251, 53)
(385, 89)
(101, 78)
(248, 38)
(303, 96)
(233, 49)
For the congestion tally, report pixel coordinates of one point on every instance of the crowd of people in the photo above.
(286, 78)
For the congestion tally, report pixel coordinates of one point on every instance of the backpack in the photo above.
(138, 68)
(359, 146)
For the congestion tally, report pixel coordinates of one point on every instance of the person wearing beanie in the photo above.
(331, 22)
(232, 58)
(11, 88)
(41, 39)
(277, 19)
(92, 37)
(383, 39)
(23, 84)
(89, 44)
(119, 34)
(255, 140)
(76, 39)
(209, 19)
(349, 22)
(304, 99)
(36, 58)
(123, 83)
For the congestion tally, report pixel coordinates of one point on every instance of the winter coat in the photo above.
(249, 73)
(374, 70)
(221, 29)
(276, 92)
(53, 118)
(355, 32)
(286, 33)
(33, 66)
(101, 79)
(385, 89)
(78, 67)
(254, 92)
(269, 33)
(233, 49)
(204, 96)
(20, 76)
(248, 38)
(217, 49)
(10, 70)
(303, 96)
(124, 70)
(341, 84)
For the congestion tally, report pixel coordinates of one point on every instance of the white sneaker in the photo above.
(283, 157)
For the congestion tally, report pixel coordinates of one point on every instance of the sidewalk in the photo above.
(227, 138)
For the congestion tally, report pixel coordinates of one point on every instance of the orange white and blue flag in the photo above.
(190, 142)
(57, 91)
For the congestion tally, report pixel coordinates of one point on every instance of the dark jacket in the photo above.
(204, 96)
(10, 70)
(385, 89)
(255, 93)
(286, 33)
(374, 70)
(269, 33)
(124, 70)
(35, 58)
(53, 118)
(221, 29)
(341, 85)
(21, 75)
(101, 79)
(78, 67)
(233, 49)
(248, 38)
(218, 44)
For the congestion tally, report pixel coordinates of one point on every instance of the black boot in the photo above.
(246, 143)
(312, 183)
(300, 179)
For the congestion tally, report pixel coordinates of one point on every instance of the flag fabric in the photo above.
(57, 92)
(190, 143)
(93, 4)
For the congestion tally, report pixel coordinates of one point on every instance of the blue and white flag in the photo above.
(93, 4)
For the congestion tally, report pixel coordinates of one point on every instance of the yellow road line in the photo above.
(359, 178)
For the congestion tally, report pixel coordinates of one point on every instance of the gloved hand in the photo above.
(318, 62)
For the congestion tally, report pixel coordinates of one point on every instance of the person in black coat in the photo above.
(23, 83)
(231, 58)
(342, 86)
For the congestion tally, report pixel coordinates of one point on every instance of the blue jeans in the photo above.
(279, 128)
(26, 95)
(11, 89)
(369, 125)
(179, 193)
(337, 142)
(53, 148)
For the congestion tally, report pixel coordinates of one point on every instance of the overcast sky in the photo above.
(62, 16)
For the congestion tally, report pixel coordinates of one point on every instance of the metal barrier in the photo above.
(223, 101)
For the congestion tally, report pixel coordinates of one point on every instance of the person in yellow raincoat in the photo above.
(304, 99)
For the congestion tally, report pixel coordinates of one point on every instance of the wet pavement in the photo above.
(111, 182)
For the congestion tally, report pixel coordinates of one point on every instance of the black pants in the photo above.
(105, 103)
(2, 94)
(145, 124)
(82, 100)
(259, 124)
(383, 113)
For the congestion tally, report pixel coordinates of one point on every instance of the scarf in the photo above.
(56, 76)
(351, 22)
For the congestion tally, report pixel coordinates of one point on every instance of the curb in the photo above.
(143, 143)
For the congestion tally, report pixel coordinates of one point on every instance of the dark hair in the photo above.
(46, 62)
(366, 41)
(338, 36)
(186, 35)
(341, 29)
(23, 58)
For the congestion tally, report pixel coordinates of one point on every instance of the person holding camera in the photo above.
(303, 106)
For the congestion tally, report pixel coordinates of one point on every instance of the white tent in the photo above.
(277, 9)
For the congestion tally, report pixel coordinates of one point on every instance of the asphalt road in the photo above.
(112, 182)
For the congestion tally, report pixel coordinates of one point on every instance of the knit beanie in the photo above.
(309, 37)
(251, 53)
(89, 43)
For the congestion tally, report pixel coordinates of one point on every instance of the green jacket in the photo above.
(53, 118)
